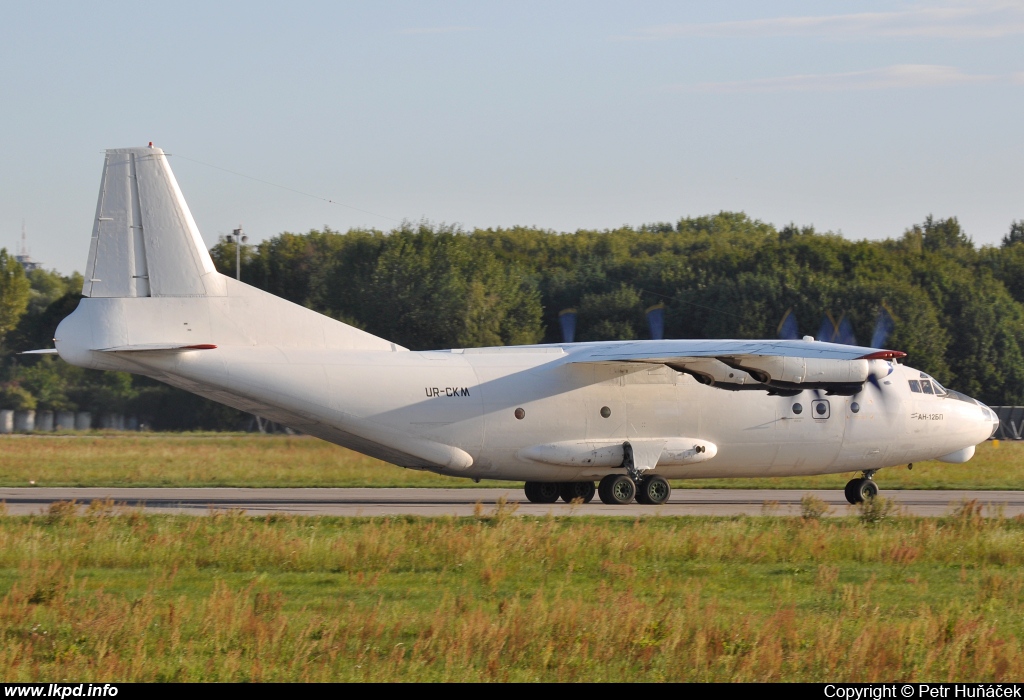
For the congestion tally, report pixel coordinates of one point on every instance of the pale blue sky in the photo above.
(860, 117)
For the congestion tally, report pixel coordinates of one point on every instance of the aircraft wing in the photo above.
(778, 366)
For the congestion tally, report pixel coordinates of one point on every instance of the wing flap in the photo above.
(158, 347)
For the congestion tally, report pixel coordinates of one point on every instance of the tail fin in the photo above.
(144, 241)
(153, 287)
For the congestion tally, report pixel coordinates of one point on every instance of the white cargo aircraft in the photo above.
(628, 414)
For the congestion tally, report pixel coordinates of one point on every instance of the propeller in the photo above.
(832, 331)
(841, 331)
(880, 369)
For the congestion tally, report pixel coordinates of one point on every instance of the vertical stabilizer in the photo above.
(144, 241)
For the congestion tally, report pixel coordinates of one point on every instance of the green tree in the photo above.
(14, 397)
(36, 330)
(47, 286)
(14, 292)
(614, 315)
(1015, 234)
(986, 330)
(48, 379)
(943, 234)
(432, 288)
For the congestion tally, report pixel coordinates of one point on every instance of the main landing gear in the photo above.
(653, 490)
(615, 489)
(568, 491)
(862, 489)
(620, 489)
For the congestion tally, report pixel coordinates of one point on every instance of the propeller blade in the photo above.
(656, 321)
(880, 370)
(788, 328)
(567, 318)
(884, 325)
(844, 332)
(828, 331)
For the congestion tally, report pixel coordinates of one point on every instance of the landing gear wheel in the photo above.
(653, 491)
(541, 491)
(617, 490)
(868, 490)
(571, 490)
(860, 490)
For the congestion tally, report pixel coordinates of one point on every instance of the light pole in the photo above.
(240, 238)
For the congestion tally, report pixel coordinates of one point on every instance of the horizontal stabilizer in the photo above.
(46, 351)
(158, 347)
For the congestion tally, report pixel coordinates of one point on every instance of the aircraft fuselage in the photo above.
(506, 407)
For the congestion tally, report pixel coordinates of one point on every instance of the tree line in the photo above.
(958, 308)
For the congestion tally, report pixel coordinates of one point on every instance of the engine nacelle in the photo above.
(803, 370)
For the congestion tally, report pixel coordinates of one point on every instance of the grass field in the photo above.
(158, 459)
(116, 597)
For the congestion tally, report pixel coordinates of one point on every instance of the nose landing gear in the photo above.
(862, 489)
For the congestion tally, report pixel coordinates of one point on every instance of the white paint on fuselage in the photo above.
(397, 404)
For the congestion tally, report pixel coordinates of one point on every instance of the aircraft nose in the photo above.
(988, 420)
(992, 417)
(977, 420)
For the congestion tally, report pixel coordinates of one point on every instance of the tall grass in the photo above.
(111, 596)
(131, 459)
(157, 459)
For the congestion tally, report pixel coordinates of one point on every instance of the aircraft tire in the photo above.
(851, 491)
(541, 491)
(653, 491)
(571, 490)
(617, 490)
(860, 490)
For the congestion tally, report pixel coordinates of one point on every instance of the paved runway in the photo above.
(467, 501)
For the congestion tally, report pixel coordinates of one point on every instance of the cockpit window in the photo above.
(957, 395)
(930, 386)
(915, 386)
